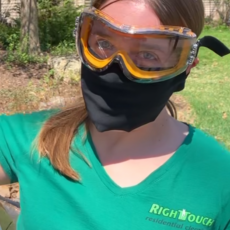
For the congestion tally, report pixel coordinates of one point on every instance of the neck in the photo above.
(163, 135)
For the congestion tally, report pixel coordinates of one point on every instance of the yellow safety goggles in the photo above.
(145, 54)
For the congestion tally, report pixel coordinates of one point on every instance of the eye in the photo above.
(148, 56)
(104, 44)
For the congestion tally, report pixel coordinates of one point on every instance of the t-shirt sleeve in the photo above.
(7, 160)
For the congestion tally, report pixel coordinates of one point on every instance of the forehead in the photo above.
(131, 12)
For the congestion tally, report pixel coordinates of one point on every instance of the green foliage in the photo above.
(220, 27)
(63, 48)
(56, 21)
(16, 56)
(223, 27)
(207, 27)
(6, 32)
(20, 58)
(208, 20)
(56, 24)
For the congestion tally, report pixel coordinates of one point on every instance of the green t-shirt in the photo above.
(191, 191)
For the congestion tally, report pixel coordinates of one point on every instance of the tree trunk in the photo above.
(29, 27)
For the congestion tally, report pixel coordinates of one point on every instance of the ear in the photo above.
(195, 63)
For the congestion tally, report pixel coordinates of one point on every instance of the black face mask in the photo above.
(115, 103)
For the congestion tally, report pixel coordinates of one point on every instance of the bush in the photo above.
(6, 32)
(15, 55)
(63, 48)
(56, 23)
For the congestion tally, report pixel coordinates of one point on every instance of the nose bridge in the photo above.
(126, 44)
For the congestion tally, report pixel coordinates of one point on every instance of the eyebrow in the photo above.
(104, 34)
(101, 33)
(150, 47)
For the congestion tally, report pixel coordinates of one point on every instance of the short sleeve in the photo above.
(7, 160)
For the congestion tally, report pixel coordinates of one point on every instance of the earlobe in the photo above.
(195, 63)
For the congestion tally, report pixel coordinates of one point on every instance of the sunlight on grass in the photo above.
(208, 88)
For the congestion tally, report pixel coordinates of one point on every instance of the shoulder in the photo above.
(204, 142)
(20, 118)
(23, 126)
(208, 156)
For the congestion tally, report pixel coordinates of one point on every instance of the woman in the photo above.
(122, 162)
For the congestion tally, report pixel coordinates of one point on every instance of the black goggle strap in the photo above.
(213, 44)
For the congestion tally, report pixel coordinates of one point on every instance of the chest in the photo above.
(92, 206)
(133, 172)
(164, 200)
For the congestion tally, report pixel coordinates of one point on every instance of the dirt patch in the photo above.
(13, 80)
(14, 77)
(23, 88)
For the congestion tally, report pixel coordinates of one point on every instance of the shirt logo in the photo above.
(182, 215)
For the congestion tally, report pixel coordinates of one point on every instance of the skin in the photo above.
(150, 146)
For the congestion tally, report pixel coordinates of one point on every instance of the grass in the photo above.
(208, 87)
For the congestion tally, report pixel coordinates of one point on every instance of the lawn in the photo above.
(208, 87)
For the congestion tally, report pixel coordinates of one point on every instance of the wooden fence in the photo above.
(214, 9)
(9, 9)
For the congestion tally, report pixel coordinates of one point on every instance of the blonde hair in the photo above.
(55, 138)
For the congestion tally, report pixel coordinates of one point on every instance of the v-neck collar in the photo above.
(175, 161)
